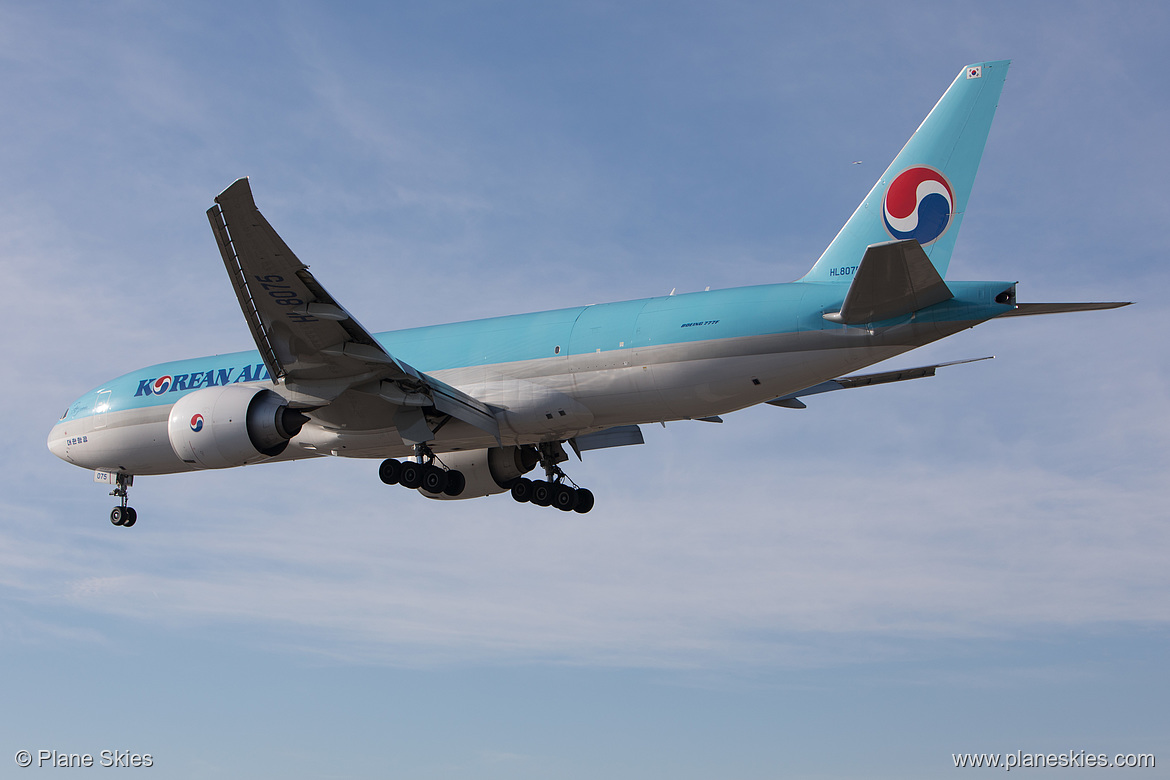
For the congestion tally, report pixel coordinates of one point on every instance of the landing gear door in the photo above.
(111, 478)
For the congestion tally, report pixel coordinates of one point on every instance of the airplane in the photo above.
(467, 410)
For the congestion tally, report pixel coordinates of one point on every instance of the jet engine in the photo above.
(488, 471)
(232, 425)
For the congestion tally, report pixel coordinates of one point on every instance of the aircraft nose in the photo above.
(56, 443)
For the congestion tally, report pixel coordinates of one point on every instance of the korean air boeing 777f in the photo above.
(466, 410)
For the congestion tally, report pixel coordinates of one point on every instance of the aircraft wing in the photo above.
(791, 401)
(309, 340)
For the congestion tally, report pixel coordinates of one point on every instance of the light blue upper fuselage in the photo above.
(646, 323)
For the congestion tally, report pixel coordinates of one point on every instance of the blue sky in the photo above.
(971, 563)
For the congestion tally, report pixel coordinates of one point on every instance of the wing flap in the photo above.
(618, 436)
(462, 406)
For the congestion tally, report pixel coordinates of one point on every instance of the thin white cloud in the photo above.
(679, 574)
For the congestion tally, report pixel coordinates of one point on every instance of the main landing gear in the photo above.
(553, 490)
(123, 515)
(422, 473)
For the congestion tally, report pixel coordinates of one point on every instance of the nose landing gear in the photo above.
(556, 489)
(123, 515)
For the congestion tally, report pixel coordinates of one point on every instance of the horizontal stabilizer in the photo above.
(864, 380)
(893, 279)
(1028, 309)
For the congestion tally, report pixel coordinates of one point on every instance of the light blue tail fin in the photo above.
(924, 192)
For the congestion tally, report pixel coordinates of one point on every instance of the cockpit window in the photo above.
(66, 414)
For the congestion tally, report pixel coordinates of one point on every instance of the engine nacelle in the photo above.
(488, 471)
(231, 425)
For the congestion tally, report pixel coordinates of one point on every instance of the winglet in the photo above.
(238, 198)
(239, 191)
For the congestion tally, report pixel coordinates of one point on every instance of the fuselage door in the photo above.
(101, 408)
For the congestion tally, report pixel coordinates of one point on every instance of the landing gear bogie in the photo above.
(423, 474)
(556, 489)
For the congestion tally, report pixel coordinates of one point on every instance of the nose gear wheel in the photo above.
(123, 515)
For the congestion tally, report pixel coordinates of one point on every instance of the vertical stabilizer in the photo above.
(924, 192)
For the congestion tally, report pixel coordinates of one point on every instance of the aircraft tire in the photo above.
(411, 475)
(522, 490)
(131, 517)
(434, 479)
(584, 500)
(542, 493)
(564, 498)
(117, 516)
(389, 471)
(456, 483)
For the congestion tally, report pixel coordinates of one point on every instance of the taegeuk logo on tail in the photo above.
(918, 204)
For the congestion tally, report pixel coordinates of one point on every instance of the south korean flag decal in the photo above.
(975, 72)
